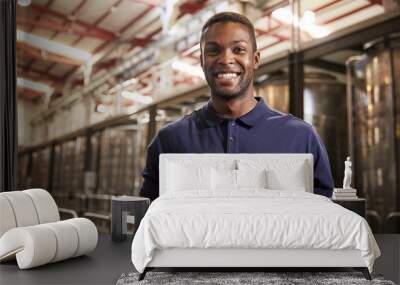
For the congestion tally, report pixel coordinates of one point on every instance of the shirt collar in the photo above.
(212, 118)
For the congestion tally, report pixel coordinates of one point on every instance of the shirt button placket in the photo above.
(232, 137)
(234, 142)
(229, 141)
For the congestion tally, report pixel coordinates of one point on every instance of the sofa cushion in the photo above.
(23, 208)
(40, 244)
(46, 207)
(7, 218)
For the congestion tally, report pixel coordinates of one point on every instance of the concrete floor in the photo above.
(102, 266)
(110, 260)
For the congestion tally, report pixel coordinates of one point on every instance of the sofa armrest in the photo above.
(69, 212)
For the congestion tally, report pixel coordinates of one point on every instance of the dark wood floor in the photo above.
(110, 260)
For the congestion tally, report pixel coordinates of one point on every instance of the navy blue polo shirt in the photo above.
(262, 130)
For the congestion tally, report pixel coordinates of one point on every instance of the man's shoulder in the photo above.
(289, 124)
(299, 124)
(290, 121)
(178, 126)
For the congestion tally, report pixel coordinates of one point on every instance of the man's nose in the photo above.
(226, 57)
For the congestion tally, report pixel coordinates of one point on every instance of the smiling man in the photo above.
(234, 121)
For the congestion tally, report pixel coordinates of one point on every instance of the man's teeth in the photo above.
(227, 75)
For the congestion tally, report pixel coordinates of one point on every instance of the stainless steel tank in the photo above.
(275, 92)
(324, 108)
(374, 100)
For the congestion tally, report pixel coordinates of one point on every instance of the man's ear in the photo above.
(256, 59)
(201, 56)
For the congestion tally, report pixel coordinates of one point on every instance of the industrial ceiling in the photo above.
(66, 49)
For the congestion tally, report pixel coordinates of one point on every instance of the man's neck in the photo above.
(234, 108)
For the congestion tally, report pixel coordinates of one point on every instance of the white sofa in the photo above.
(31, 231)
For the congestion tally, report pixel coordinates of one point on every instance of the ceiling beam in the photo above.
(71, 73)
(349, 13)
(135, 20)
(358, 48)
(38, 17)
(127, 26)
(56, 87)
(268, 10)
(52, 46)
(94, 26)
(133, 64)
(192, 7)
(148, 39)
(280, 39)
(87, 26)
(327, 65)
(363, 32)
(62, 28)
(142, 42)
(25, 70)
(102, 47)
(324, 6)
(34, 85)
(151, 3)
(73, 13)
(29, 93)
(31, 52)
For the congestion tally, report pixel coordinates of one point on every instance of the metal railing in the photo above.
(68, 212)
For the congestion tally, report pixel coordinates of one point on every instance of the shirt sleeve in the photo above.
(150, 186)
(323, 181)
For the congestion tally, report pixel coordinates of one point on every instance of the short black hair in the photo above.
(226, 17)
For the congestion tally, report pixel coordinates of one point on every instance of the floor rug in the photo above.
(243, 278)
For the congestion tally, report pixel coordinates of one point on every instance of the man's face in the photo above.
(228, 59)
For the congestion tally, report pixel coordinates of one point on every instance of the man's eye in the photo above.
(211, 51)
(239, 50)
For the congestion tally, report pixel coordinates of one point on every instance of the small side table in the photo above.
(121, 207)
(357, 205)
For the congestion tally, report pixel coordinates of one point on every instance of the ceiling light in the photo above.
(135, 96)
(176, 30)
(191, 50)
(24, 3)
(129, 82)
(188, 68)
(283, 15)
(306, 23)
(101, 108)
(262, 78)
(315, 31)
(308, 17)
